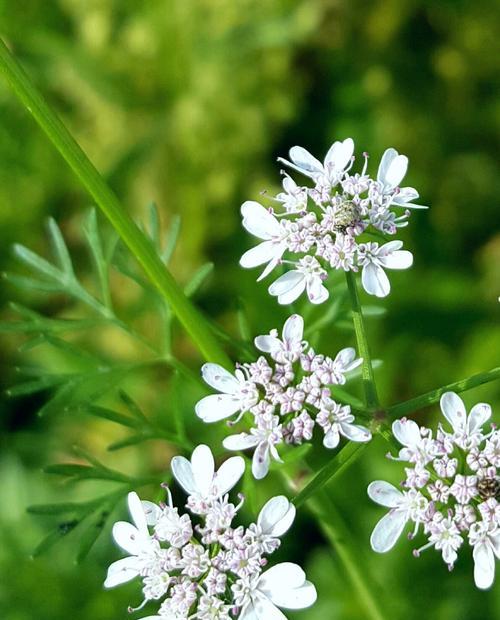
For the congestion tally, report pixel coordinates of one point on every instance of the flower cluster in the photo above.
(451, 490)
(211, 570)
(326, 226)
(287, 395)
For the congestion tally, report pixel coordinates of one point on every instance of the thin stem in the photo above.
(137, 242)
(433, 396)
(371, 396)
(339, 537)
(344, 457)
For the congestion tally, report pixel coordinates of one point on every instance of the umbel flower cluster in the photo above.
(451, 491)
(200, 565)
(287, 394)
(336, 224)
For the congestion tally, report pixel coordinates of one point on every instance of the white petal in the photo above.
(259, 221)
(305, 161)
(392, 168)
(260, 461)
(286, 282)
(387, 531)
(384, 493)
(294, 293)
(347, 359)
(260, 254)
(286, 585)
(339, 155)
(453, 409)
(128, 537)
(407, 432)
(183, 473)
(293, 329)
(272, 264)
(276, 516)
(374, 280)
(401, 259)
(241, 441)
(484, 566)
(228, 474)
(152, 512)
(261, 608)
(316, 292)
(217, 407)
(267, 344)
(203, 466)
(137, 513)
(478, 415)
(355, 432)
(331, 438)
(219, 378)
(121, 571)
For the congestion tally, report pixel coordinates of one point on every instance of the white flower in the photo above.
(261, 223)
(391, 172)
(198, 477)
(374, 259)
(404, 506)
(392, 169)
(290, 347)
(238, 394)
(307, 276)
(294, 198)
(417, 449)
(485, 540)
(337, 420)
(274, 520)
(135, 540)
(467, 428)
(329, 172)
(264, 439)
(283, 585)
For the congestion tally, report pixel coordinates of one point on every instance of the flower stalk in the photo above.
(369, 385)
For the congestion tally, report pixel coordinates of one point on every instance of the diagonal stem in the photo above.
(429, 398)
(137, 242)
(369, 385)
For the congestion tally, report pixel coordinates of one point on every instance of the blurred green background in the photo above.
(188, 103)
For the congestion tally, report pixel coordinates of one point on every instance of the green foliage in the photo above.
(187, 105)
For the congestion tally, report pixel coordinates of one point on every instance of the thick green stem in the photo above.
(371, 396)
(138, 243)
(419, 402)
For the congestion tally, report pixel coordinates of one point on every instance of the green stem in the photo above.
(371, 396)
(339, 537)
(433, 396)
(344, 457)
(138, 243)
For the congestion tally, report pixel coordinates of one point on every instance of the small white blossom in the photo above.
(452, 507)
(217, 574)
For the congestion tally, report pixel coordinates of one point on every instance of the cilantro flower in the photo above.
(451, 505)
(199, 564)
(331, 225)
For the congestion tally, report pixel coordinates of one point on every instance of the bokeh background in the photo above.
(188, 103)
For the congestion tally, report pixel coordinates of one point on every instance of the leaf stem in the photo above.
(137, 242)
(369, 385)
(429, 398)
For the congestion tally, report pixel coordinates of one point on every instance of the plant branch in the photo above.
(370, 388)
(137, 242)
(429, 398)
